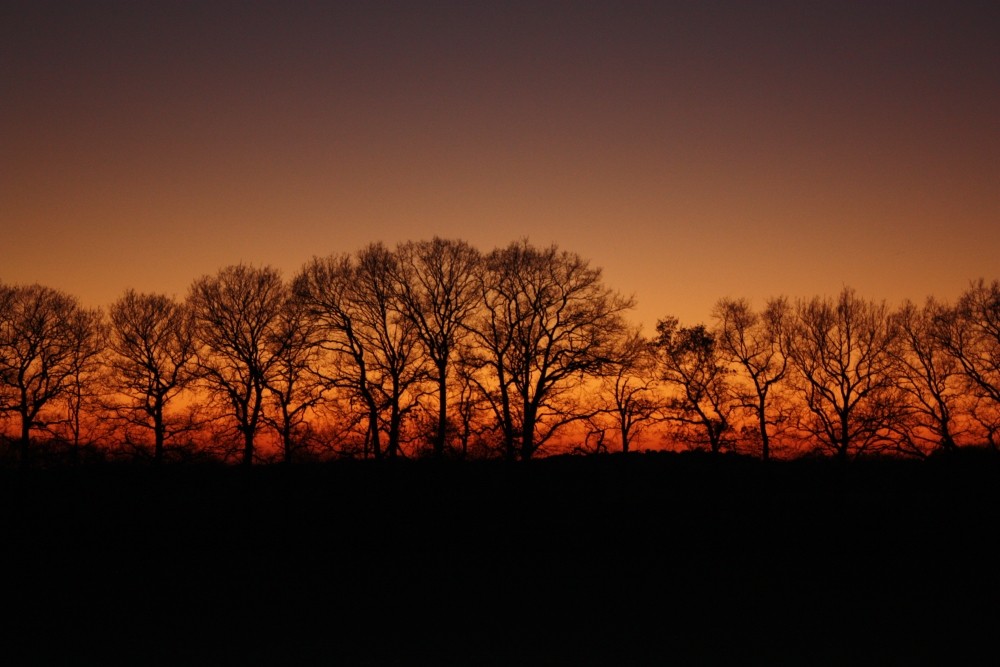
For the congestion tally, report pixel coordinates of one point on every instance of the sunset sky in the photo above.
(694, 150)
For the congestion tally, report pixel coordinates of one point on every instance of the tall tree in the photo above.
(294, 386)
(326, 286)
(931, 377)
(970, 332)
(691, 363)
(752, 341)
(151, 361)
(843, 354)
(373, 346)
(546, 323)
(6, 357)
(43, 335)
(436, 286)
(390, 335)
(235, 314)
(973, 337)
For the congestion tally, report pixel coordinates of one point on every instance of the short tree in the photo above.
(843, 355)
(691, 364)
(294, 385)
(628, 390)
(752, 342)
(45, 337)
(151, 355)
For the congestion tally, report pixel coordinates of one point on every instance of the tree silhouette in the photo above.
(931, 376)
(971, 334)
(294, 384)
(326, 287)
(752, 341)
(45, 336)
(690, 362)
(546, 322)
(82, 395)
(435, 347)
(236, 313)
(436, 286)
(843, 355)
(628, 383)
(151, 360)
(396, 366)
(372, 347)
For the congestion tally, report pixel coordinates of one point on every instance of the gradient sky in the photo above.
(694, 150)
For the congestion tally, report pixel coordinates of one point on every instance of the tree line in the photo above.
(434, 348)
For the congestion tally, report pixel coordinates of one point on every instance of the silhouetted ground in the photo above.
(654, 559)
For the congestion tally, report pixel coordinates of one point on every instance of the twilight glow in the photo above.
(693, 150)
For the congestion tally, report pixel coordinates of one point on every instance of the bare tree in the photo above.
(436, 286)
(326, 286)
(546, 323)
(294, 386)
(752, 341)
(628, 384)
(970, 332)
(843, 355)
(473, 409)
(44, 334)
(391, 337)
(372, 347)
(6, 358)
(236, 313)
(972, 336)
(690, 362)
(931, 377)
(83, 393)
(151, 362)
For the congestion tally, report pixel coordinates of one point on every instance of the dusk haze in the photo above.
(694, 150)
(549, 333)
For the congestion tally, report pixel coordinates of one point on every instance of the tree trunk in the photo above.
(25, 438)
(158, 436)
(765, 445)
(372, 422)
(394, 419)
(528, 432)
(439, 438)
(286, 441)
(248, 446)
(373, 434)
(843, 448)
(510, 453)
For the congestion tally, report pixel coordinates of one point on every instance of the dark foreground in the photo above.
(657, 559)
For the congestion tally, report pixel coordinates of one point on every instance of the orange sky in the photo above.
(694, 150)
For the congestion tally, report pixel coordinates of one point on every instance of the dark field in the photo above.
(654, 559)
